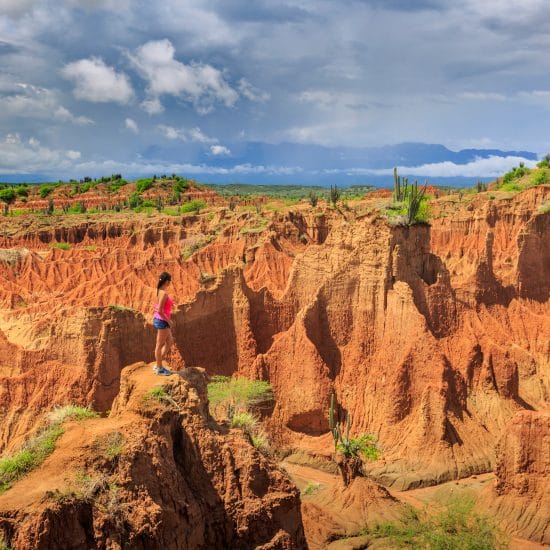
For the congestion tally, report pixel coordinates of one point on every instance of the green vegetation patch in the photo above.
(457, 526)
(234, 395)
(193, 206)
(144, 184)
(37, 449)
(61, 246)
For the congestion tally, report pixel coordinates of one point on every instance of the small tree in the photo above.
(7, 196)
(349, 449)
(49, 210)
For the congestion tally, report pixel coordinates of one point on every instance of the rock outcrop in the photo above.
(176, 480)
(519, 498)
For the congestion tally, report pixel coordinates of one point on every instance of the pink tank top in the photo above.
(167, 310)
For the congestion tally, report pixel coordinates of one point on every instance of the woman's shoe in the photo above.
(163, 372)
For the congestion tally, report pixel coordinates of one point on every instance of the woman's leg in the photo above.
(162, 335)
(168, 342)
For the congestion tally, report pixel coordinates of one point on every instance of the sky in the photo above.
(296, 91)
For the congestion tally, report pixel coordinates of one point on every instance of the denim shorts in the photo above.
(160, 324)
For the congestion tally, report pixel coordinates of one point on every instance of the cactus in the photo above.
(400, 190)
(414, 200)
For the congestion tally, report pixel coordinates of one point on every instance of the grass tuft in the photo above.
(158, 393)
(311, 488)
(72, 412)
(61, 246)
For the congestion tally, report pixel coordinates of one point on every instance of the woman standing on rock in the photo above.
(161, 321)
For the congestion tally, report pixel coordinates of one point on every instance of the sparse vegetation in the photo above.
(143, 184)
(192, 244)
(457, 526)
(193, 206)
(233, 395)
(350, 448)
(311, 488)
(72, 412)
(39, 447)
(110, 445)
(118, 307)
(158, 393)
(61, 246)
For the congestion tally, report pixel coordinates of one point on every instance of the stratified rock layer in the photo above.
(520, 498)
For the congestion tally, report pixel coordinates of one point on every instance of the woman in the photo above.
(161, 321)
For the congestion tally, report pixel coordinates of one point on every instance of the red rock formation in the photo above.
(519, 498)
(432, 338)
(180, 481)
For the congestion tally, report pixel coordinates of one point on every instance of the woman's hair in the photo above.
(163, 278)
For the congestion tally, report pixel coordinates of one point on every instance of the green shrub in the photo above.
(45, 190)
(181, 185)
(311, 488)
(364, 444)
(193, 206)
(455, 527)
(540, 177)
(61, 246)
(235, 395)
(144, 184)
(22, 191)
(245, 421)
(7, 195)
(158, 393)
(135, 200)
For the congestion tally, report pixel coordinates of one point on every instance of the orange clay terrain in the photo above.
(434, 337)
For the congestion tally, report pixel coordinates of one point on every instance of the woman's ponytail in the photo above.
(163, 278)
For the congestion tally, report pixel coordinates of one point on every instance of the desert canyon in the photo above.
(435, 337)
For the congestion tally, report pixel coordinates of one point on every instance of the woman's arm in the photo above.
(161, 308)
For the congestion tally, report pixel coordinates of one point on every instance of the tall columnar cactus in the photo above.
(414, 200)
(400, 190)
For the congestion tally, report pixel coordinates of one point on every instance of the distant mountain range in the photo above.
(259, 162)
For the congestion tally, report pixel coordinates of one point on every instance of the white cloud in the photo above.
(35, 102)
(483, 96)
(19, 156)
(200, 84)
(490, 167)
(97, 82)
(131, 125)
(152, 106)
(252, 93)
(219, 150)
(194, 134)
(172, 133)
(64, 115)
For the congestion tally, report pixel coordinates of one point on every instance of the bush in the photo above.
(364, 444)
(540, 176)
(61, 246)
(45, 190)
(181, 185)
(234, 395)
(7, 195)
(143, 184)
(22, 191)
(245, 421)
(193, 206)
(457, 526)
(73, 412)
(135, 200)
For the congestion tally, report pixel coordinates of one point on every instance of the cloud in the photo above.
(490, 167)
(194, 134)
(15, 8)
(28, 101)
(97, 82)
(19, 156)
(172, 133)
(219, 150)
(252, 93)
(152, 106)
(131, 125)
(200, 84)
